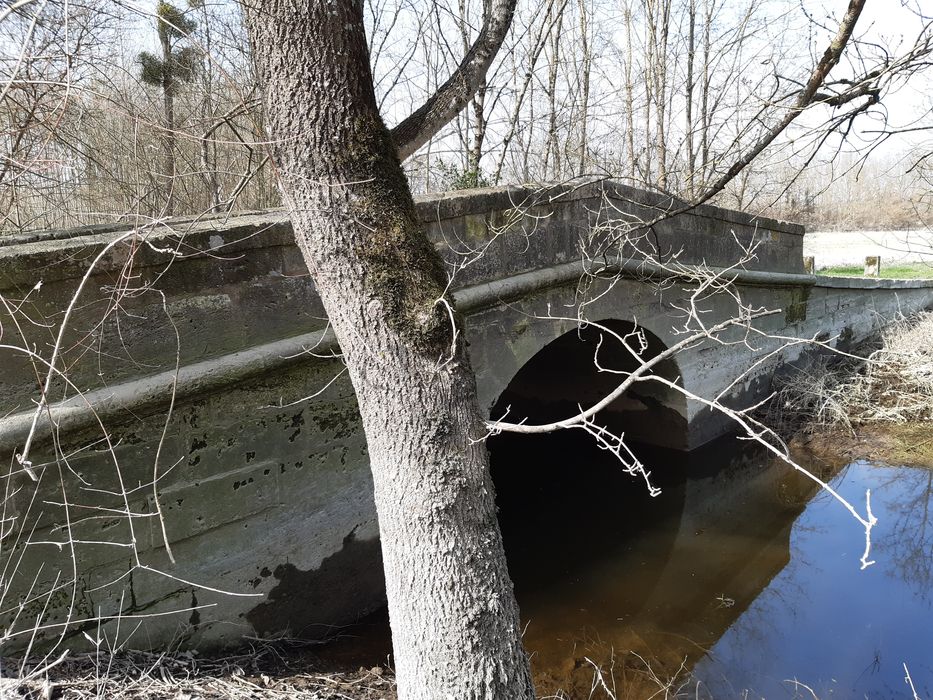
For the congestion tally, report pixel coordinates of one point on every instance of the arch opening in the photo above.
(564, 375)
(585, 541)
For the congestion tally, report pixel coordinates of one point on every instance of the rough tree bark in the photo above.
(688, 99)
(587, 61)
(454, 620)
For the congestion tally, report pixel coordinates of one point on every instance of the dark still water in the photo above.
(739, 581)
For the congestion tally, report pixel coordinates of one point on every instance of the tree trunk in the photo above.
(479, 134)
(208, 147)
(168, 107)
(688, 98)
(629, 94)
(552, 150)
(705, 117)
(455, 624)
(661, 87)
(585, 97)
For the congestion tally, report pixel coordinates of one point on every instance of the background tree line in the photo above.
(105, 114)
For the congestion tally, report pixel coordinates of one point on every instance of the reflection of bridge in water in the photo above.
(602, 569)
(276, 500)
(733, 566)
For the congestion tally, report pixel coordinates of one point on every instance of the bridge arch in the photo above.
(564, 375)
(572, 520)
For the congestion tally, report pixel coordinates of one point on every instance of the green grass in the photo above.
(907, 271)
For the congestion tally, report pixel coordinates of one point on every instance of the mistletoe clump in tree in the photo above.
(177, 65)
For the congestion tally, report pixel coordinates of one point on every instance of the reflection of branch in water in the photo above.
(909, 540)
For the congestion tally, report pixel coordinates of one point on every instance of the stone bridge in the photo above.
(197, 357)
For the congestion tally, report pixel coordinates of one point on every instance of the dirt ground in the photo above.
(908, 444)
(266, 672)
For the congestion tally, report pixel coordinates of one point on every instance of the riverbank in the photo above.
(278, 673)
(886, 382)
(874, 405)
(907, 444)
(272, 671)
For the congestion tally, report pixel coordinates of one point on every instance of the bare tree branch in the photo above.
(805, 98)
(451, 97)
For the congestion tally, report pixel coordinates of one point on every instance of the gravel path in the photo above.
(836, 248)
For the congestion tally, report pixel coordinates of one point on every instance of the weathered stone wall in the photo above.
(237, 282)
(837, 311)
(265, 492)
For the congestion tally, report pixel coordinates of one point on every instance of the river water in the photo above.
(844, 632)
(741, 580)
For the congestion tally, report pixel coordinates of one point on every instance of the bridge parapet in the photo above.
(526, 228)
(236, 281)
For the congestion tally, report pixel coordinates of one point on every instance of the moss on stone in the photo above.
(405, 272)
(796, 309)
(475, 228)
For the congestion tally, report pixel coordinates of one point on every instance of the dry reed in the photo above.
(267, 672)
(891, 383)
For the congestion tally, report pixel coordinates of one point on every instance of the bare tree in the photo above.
(175, 66)
(384, 289)
(385, 292)
(43, 54)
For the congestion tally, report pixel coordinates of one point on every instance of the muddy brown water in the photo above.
(740, 580)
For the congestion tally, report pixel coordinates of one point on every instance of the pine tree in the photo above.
(176, 66)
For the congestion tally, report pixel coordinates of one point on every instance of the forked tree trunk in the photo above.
(455, 624)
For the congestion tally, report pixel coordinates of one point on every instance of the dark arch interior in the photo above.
(564, 375)
(586, 543)
(567, 508)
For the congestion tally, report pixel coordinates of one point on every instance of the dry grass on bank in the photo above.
(894, 385)
(266, 673)
(271, 674)
(275, 672)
